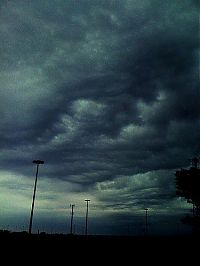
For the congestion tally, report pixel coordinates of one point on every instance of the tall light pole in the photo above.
(146, 221)
(72, 216)
(37, 162)
(86, 218)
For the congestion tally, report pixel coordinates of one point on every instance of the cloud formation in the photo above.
(102, 91)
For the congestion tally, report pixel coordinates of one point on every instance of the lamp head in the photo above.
(38, 161)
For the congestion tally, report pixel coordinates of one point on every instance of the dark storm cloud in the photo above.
(99, 89)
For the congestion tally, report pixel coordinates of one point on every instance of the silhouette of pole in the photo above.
(146, 221)
(37, 162)
(74, 228)
(86, 218)
(72, 216)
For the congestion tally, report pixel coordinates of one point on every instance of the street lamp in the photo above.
(146, 221)
(37, 162)
(86, 219)
(72, 216)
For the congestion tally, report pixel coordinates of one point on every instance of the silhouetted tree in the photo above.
(188, 186)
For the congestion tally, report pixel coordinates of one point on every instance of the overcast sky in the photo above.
(106, 92)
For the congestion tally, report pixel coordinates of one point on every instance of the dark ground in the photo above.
(123, 250)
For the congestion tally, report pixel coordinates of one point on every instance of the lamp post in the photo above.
(37, 162)
(86, 218)
(72, 216)
(146, 221)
